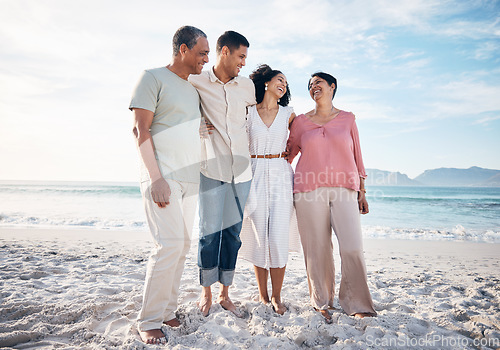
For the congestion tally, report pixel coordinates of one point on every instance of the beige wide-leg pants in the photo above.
(317, 213)
(171, 229)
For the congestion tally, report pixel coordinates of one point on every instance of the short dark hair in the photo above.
(330, 79)
(186, 35)
(232, 40)
(260, 77)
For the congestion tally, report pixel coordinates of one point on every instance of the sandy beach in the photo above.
(77, 289)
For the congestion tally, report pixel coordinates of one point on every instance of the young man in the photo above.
(225, 171)
(166, 127)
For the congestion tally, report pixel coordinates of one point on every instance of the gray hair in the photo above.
(186, 35)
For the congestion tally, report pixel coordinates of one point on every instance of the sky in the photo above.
(421, 76)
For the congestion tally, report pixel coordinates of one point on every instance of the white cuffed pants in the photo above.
(171, 229)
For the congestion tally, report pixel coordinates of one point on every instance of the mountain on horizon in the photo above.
(388, 178)
(473, 176)
(493, 181)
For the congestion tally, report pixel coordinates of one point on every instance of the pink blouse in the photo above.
(330, 153)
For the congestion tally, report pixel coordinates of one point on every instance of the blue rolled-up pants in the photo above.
(221, 214)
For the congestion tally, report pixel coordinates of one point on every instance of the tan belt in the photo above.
(280, 155)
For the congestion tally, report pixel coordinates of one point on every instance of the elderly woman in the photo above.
(329, 193)
(269, 210)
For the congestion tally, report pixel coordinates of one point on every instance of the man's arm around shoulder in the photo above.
(197, 79)
(250, 88)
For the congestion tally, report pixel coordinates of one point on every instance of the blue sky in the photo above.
(422, 77)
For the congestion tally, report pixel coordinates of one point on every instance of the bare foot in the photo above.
(173, 322)
(204, 304)
(278, 306)
(326, 315)
(364, 314)
(228, 305)
(153, 336)
(264, 300)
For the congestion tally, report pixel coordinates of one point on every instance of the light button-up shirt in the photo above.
(225, 153)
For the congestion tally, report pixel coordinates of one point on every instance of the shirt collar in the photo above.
(214, 79)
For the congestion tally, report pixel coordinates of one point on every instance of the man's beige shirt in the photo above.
(225, 154)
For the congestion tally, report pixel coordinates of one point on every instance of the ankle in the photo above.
(223, 297)
(206, 293)
(264, 297)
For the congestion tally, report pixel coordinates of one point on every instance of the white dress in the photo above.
(269, 227)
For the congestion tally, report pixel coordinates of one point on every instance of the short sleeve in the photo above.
(145, 95)
(251, 93)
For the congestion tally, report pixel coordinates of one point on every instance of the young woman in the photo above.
(265, 233)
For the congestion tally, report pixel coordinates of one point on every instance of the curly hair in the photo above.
(262, 75)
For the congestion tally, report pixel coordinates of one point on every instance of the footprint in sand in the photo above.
(460, 316)
(397, 307)
(443, 307)
(490, 321)
(485, 293)
(16, 338)
(440, 295)
(314, 339)
(33, 275)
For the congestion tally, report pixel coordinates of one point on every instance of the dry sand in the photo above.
(82, 289)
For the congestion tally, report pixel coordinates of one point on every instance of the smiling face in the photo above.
(195, 58)
(234, 61)
(319, 88)
(277, 85)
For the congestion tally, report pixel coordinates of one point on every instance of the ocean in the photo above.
(399, 212)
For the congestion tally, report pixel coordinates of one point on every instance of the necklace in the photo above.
(329, 113)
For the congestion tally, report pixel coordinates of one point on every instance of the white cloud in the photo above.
(402, 131)
(409, 54)
(298, 60)
(490, 118)
(365, 109)
(487, 50)
(466, 98)
(482, 29)
(68, 67)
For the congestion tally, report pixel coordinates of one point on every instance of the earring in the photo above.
(265, 88)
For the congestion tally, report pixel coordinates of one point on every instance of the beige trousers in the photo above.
(171, 229)
(317, 213)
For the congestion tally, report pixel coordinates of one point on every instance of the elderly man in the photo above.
(166, 127)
